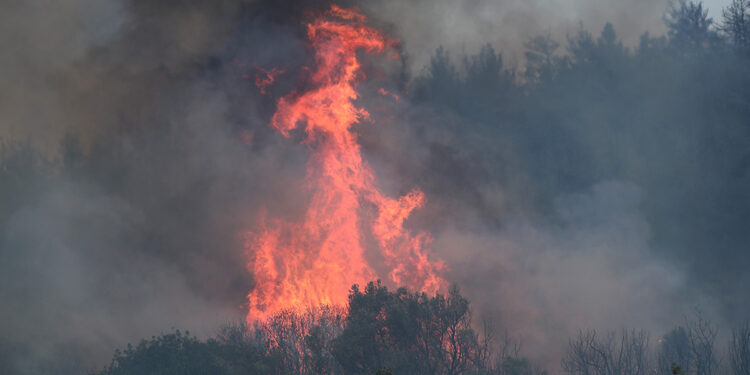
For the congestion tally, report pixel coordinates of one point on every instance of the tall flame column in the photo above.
(314, 262)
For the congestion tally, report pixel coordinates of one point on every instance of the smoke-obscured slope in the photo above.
(464, 26)
(608, 190)
(136, 223)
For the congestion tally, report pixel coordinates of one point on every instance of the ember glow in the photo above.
(385, 92)
(266, 77)
(314, 262)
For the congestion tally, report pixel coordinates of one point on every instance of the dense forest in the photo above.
(670, 116)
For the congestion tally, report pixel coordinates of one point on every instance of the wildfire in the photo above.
(385, 92)
(315, 262)
(267, 79)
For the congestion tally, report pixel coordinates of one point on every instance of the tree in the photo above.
(173, 353)
(691, 347)
(301, 340)
(689, 26)
(674, 349)
(410, 333)
(609, 354)
(487, 88)
(540, 58)
(739, 350)
(441, 83)
(602, 56)
(736, 23)
(485, 70)
(702, 336)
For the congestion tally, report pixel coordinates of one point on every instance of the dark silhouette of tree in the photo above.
(540, 57)
(691, 347)
(383, 332)
(609, 354)
(702, 336)
(302, 341)
(441, 83)
(487, 90)
(739, 350)
(689, 26)
(674, 350)
(409, 333)
(736, 23)
(173, 353)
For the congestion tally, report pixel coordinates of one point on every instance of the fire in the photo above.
(315, 262)
(385, 92)
(268, 78)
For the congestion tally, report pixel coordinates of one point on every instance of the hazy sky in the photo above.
(714, 7)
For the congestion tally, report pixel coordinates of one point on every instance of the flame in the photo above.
(315, 262)
(268, 78)
(385, 92)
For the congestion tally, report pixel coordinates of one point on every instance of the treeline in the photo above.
(687, 349)
(397, 332)
(380, 332)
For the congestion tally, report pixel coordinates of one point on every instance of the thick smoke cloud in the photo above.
(586, 261)
(41, 41)
(137, 152)
(126, 190)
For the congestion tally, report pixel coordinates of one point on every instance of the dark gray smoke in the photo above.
(136, 153)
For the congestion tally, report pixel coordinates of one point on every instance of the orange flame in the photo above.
(315, 262)
(385, 92)
(270, 77)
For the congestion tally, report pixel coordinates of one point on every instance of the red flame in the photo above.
(270, 77)
(315, 262)
(385, 92)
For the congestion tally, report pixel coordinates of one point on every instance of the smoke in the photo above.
(41, 40)
(464, 26)
(126, 192)
(591, 269)
(137, 153)
(78, 288)
(587, 262)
